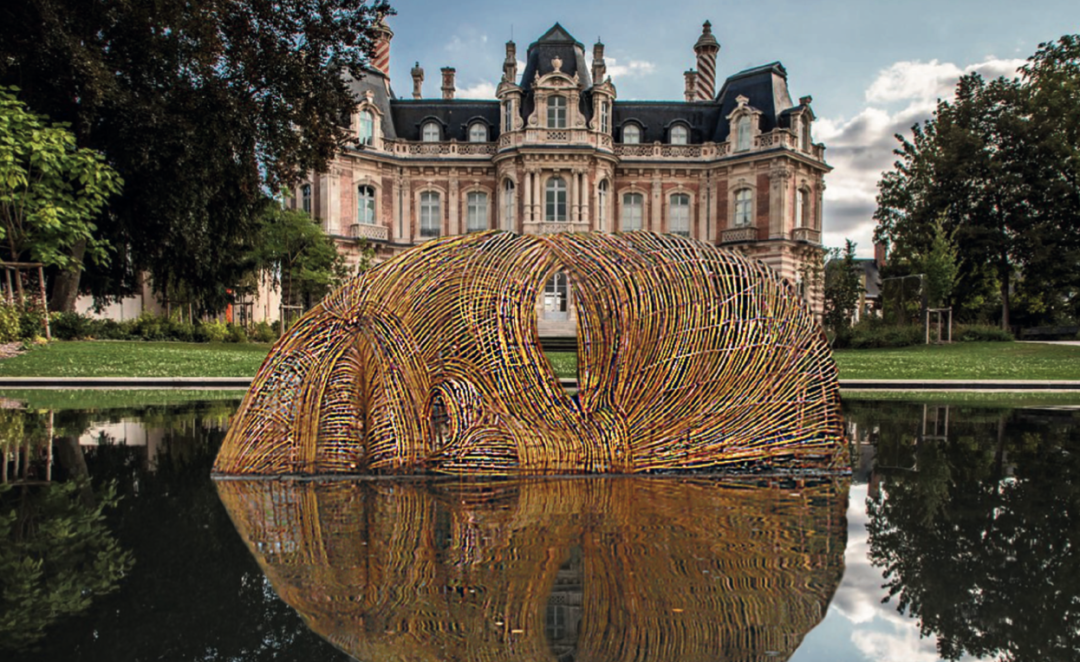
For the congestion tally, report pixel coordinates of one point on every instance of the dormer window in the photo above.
(556, 112)
(631, 134)
(367, 127)
(679, 135)
(605, 117)
(742, 134)
(431, 133)
(508, 118)
(478, 133)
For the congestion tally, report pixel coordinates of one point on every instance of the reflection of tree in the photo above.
(980, 541)
(56, 556)
(195, 592)
(665, 569)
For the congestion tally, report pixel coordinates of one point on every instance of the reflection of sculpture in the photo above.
(689, 357)
(599, 568)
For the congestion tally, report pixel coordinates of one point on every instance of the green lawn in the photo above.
(104, 358)
(165, 359)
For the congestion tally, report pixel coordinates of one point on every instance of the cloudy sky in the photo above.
(873, 67)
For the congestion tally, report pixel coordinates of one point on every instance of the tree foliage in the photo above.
(202, 106)
(50, 190)
(843, 286)
(998, 169)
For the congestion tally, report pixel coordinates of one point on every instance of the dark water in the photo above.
(964, 517)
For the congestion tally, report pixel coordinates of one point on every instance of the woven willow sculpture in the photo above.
(642, 568)
(689, 357)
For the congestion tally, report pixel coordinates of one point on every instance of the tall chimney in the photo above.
(510, 64)
(706, 49)
(599, 67)
(448, 82)
(417, 81)
(690, 91)
(881, 253)
(383, 35)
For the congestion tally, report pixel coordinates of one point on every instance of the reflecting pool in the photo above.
(117, 545)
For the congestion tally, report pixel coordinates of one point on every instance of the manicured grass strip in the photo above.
(989, 399)
(977, 360)
(91, 399)
(564, 364)
(136, 359)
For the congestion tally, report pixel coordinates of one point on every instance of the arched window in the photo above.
(601, 205)
(305, 198)
(631, 134)
(742, 129)
(508, 205)
(679, 214)
(508, 117)
(476, 209)
(478, 133)
(605, 117)
(365, 205)
(431, 133)
(556, 112)
(633, 210)
(679, 135)
(744, 208)
(367, 127)
(802, 208)
(556, 297)
(430, 214)
(555, 207)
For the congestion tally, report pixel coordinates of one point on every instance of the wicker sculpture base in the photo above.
(689, 357)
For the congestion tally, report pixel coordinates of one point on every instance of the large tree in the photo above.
(996, 169)
(202, 106)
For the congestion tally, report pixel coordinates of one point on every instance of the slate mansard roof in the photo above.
(765, 87)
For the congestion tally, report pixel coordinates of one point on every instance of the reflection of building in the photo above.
(557, 151)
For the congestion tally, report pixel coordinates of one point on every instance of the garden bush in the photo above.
(213, 331)
(70, 326)
(264, 332)
(236, 333)
(981, 333)
(9, 323)
(872, 333)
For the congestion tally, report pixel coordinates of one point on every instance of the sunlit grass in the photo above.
(983, 360)
(136, 359)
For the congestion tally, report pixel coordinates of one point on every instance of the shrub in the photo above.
(236, 333)
(872, 333)
(70, 326)
(9, 323)
(107, 329)
(981, 333)
(31, 321)
(212, 331)
(264, 332)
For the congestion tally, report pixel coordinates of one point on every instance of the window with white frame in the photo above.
(555, 200)
(305, 198)
(679, 214)
(802, 208)
(557, 297)
(742, 134)
(431, 133)
(556, 112)
(508, 205)
(633, 211)
(430, 214)
(478, 133)
(365, 205)
(744, 207)
(679, 135)
(476, 209)
(367, 127)
(601, 205)
(631, 134)
(605, 117)
(508, 117)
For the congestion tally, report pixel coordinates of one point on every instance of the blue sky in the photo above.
(874, 68)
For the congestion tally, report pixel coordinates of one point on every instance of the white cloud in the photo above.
(631, 68)
(860, 148)
(481, 90)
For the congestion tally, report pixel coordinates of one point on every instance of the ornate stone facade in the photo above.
(557, 151)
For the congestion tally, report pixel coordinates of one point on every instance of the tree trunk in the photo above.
(66, 284)
(70, 456)
(1003, 272)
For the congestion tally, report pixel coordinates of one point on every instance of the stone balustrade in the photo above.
(367, 231)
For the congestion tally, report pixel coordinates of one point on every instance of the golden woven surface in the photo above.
(689, 357)
(642, 568)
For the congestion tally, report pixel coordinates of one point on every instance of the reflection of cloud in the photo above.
(481, 90)
(900, 647)
(861, 148)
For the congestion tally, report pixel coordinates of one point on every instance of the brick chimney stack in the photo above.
(690, 91)
(381, 59)
(881, 252)
(706, 49)
(448, 82)
(510, 63)
(417, 81)
(599, 67)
